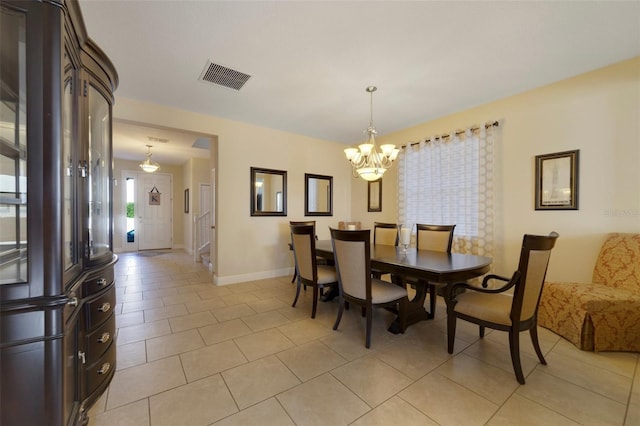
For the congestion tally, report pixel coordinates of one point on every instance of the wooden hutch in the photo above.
(57, 289)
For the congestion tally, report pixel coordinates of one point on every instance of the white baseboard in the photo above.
(234, 279)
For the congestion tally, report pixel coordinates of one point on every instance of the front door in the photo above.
(154, 227)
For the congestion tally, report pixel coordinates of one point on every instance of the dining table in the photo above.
(424, 266)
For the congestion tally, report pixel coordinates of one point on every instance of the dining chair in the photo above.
(513, 311)
(321, 260)
(386, 234)
(310, 273)
(352, 254)
(435, 238)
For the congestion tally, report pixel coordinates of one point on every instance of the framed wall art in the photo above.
(154, 197)
(557, 181)
(374, 197)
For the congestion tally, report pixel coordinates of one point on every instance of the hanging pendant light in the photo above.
(367, 161)
(149, 165)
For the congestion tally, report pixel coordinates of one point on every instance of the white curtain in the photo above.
(446, 180)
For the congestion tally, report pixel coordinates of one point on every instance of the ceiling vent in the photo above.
(227, 77)
(158, 140)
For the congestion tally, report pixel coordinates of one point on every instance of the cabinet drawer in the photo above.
(98, 282)
(99, 310)
(98, 341)
(101, 370)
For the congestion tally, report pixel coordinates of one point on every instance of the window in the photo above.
(448, 180)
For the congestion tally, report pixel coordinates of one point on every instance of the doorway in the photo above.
(148, 205)
(154, 221)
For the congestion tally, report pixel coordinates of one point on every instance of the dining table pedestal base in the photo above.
(415, 308)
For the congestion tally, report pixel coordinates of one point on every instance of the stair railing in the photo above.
(202, 232)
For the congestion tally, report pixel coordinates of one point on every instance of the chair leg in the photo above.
(514, 346)
(295, 275)
(451, 331)
(315, 301)
(341, 304)
(295, 300)
(481, 331)
(369, 310)
(533, 331)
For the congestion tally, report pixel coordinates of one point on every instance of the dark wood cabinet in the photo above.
(57, 288)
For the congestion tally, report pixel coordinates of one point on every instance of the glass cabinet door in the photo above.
(99, 178)
(69, 176)
(13, 148)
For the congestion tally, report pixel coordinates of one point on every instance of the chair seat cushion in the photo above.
(327, 274)
(493, 307)
(592, 316)
(384, 291)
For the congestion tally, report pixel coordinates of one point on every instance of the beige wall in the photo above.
(597, 113)
(253, 247)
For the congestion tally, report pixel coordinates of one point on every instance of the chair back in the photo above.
(385, 233)
(304, 249)
(434, 237)
(351, 252)
(302, 222)
(534, 261)
(618, 264)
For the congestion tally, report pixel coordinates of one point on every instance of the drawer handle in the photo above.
(104, 338)
(101, 282)
(105, 367)
(105, 307)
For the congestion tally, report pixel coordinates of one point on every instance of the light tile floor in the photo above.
(191, 353)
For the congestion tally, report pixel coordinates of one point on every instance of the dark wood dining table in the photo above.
(424, 265)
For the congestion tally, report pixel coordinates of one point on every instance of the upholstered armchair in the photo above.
(603, 315)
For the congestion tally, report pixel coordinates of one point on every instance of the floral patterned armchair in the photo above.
(603, 315)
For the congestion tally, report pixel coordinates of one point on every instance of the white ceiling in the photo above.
(310, 61)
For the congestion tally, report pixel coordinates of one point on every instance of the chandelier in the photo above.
(149, 165)
(366, 161)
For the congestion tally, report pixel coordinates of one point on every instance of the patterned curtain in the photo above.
(446, 180)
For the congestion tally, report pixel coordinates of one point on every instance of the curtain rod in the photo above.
(459, 132)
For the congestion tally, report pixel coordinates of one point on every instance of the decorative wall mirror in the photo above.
(318, 195)
(268, 192)
(374, 197)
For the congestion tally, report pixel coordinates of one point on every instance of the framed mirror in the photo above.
(374, 197)
(318, 195)
(268, 192)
